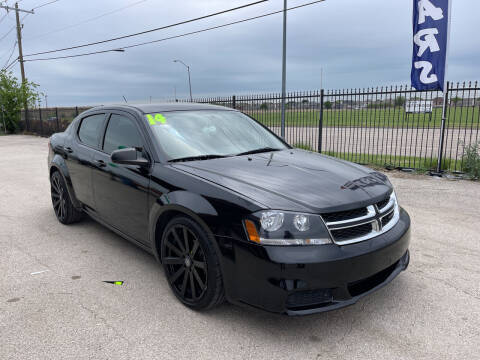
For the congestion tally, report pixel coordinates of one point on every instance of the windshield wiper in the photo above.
(198, 157)
(257, 151)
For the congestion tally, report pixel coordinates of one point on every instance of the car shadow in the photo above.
(329, 330)
(289, 328)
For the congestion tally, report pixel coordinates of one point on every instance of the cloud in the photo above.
(356, 43)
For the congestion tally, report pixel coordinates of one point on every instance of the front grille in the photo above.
(386, 219)
(352, 232)
(309, 298)
(383, 203)
(344, 215)
(348, 227)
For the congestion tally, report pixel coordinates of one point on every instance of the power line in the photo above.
(9, 31)
(78, 55)
(10, 65)
(19, 42)
(150, 30)
(11, 53)
(45, 4)
(3, 17)
(12, 28)
(178, 36)
(87, 20)
(8, 17)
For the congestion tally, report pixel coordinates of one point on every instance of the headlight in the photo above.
(394, 196)
(272, 227)
(271, 220)
(394, 200)
(397, 207)
(301, 222)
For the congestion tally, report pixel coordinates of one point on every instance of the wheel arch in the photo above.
(58, 164)
(164, 214)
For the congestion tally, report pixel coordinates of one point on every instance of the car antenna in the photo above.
(125, 99)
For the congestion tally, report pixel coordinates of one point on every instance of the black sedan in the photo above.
(229, 209)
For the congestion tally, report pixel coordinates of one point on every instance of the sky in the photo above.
(357, 44)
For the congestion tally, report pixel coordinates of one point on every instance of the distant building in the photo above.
(437, 102)
(463, 102)
(456, 101)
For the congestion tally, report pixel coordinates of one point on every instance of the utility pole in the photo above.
(284, 68)
(19, 34)
(20, 50)
(19, 40)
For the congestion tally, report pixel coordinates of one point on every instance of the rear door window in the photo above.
(90, 129)
(121, 133)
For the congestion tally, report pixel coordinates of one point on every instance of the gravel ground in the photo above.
(431, 311)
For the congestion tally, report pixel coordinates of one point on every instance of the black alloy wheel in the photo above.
(191, 264)
(58, 197)
(62, 204)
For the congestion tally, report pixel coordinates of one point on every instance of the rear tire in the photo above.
(63, 207)
(191, 264)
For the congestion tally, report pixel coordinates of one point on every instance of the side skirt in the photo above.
(95, 217)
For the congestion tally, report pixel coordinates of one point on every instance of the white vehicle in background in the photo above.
(418, 106)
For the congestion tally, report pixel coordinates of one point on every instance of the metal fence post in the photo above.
(320, 122)
(442, 129)
(3, 119)
(76, 111)
(41, 122)
(27, 122)
(234, 101)
(56, 117)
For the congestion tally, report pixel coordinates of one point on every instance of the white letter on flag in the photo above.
(426, 8)
(430, 40)
(424, 75)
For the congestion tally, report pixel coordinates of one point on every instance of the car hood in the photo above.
(295, 180)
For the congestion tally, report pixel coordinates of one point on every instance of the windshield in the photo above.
(210, 133)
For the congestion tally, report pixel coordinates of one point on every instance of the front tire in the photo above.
(65, 212)
(191, 264)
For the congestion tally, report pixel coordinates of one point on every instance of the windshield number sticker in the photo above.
(157, 119)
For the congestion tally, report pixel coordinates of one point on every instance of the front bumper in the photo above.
(301, 280)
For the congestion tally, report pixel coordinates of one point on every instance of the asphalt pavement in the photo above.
(55, 305)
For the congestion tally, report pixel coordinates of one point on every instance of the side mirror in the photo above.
(128, 156)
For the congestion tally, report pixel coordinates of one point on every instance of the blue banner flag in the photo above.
(430, 41)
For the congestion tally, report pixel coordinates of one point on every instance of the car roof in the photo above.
(164, 107)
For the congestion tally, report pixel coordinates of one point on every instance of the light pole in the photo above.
(321, 78)
(189, 81)
(284, 68)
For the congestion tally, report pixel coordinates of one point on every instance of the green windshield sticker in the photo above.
(157, 119)
(151, 120)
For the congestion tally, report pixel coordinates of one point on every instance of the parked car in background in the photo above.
(229, 209)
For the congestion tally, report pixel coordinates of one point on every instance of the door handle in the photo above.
(68, 149)
(100, 163)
